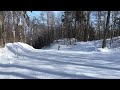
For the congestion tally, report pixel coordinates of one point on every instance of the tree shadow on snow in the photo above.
(63, 62)
(63, 74)
(17, 74)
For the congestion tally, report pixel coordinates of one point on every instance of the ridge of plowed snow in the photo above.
(18, 47)
(21, 45)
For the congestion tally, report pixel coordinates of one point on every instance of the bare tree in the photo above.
(99, 25)
(106, 30)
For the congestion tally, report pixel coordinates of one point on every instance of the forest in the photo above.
(59, 44)
(41, 31)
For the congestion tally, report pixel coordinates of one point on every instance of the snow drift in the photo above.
(89, 46)
(18, 47)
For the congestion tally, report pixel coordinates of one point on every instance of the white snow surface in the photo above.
(85, 60)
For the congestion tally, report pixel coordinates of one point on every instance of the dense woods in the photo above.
(17, 26)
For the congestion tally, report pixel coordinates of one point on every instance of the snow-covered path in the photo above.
(21, 61)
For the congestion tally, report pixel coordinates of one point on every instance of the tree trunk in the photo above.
(87, 26)
(106, 30)
(112, 29)
(75, 31)
(13, 28)
(3, 29)
(99, 23)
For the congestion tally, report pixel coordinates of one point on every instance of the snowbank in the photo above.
(104, 50)
(89, 46)
(18, 47)
(79, 46)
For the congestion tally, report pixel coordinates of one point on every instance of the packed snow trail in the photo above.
(86, 60)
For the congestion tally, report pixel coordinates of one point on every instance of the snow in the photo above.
(104, 50)
(85, 60)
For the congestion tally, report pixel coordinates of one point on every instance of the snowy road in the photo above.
(25, 62)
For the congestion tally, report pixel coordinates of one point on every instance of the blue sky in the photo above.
(36, 13)
(33, 13)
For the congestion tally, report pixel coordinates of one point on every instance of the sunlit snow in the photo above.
(85, 60)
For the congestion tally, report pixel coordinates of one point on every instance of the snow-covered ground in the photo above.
(85, 60)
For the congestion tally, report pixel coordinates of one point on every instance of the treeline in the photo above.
(17, 26)
(13, 26)
(90, 25)
(76, 24)
(45, 29)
